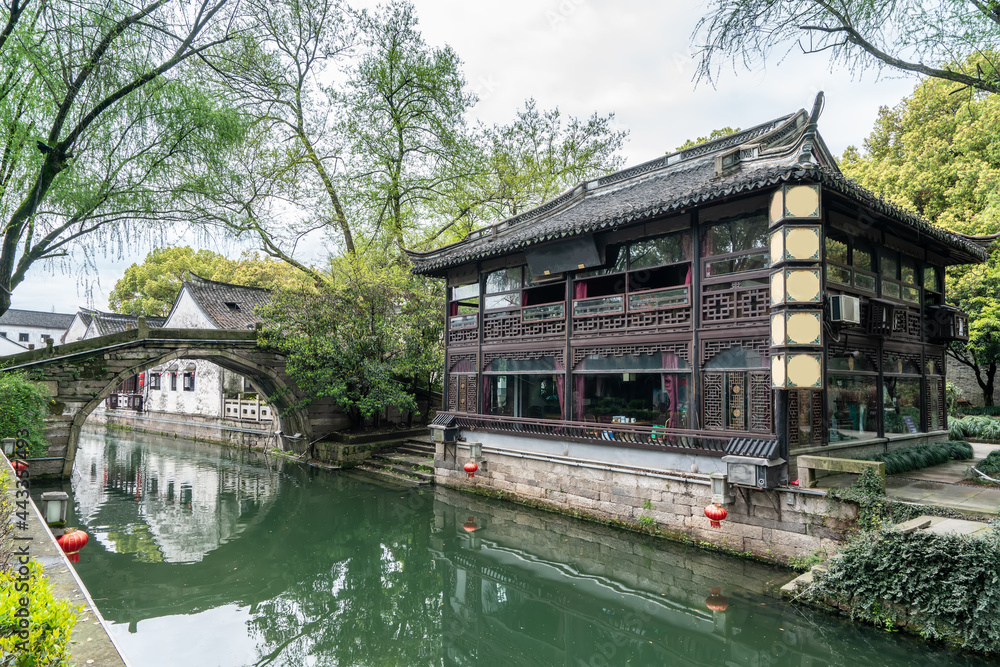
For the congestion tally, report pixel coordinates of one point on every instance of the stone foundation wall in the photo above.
(776, 525)
(214, 429)
(964, 378)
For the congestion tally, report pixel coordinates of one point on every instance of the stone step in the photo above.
(400, 468)
(384, 473)
(410, 450)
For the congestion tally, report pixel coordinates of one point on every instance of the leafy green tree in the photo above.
(937, 153)
(910, 36)
(404, 106)
(24, 405)
(105, 108)
(281, 183)
(512, 168)
(369, 338)
(152, 287)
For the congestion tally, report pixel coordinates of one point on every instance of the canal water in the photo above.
(206, 556)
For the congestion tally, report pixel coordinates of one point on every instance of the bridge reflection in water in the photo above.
(209, 556)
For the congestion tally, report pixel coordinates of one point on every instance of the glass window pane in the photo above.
(658, 251)
(752, 262)
(663, 298)
(503, 280)
(736, 357)
(836, 249)
(522, 365)
(748, 233)
(462, 322)
(535, 396)
(864, 281)
(836, 274)
(908, 270)
(465, 292)
(901, 405)
(849, 360)
(862, 257)
(890, 289)
(552, 311)
(911, 294)
(601, 306)
(890, 264)
(931, 279)
(851, 406)
(651, 399)
(633, 362)
(509, 300)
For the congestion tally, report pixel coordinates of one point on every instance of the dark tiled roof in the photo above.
(679, 181)
(34, 318)
(228, 306)
(109, 323)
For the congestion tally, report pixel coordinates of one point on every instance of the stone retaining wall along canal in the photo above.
(90, 641)
(778, 525)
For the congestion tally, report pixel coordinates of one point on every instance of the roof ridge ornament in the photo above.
(806, 156)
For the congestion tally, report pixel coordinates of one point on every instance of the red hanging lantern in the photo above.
(471, 526)
(71, 542)
(716, 601)
(471, 468)
(715, 514)
(19, 466)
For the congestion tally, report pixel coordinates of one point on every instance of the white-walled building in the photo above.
(31, 327)
(196, 387)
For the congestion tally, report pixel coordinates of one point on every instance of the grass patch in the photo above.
(923, 456)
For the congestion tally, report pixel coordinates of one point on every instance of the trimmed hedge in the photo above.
(923, 456)
(990, 465)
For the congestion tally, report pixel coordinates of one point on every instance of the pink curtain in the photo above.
(580, 290)
(578, 384)
(561, 389)
(687, 280)
(453, 309)
(669, 385)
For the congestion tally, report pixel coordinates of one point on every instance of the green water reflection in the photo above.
(208, 556)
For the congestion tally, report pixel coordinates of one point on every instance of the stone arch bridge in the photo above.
(82, 374)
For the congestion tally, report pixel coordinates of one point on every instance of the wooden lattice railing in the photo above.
(625, 435)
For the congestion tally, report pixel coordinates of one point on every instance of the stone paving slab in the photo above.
(943, 526)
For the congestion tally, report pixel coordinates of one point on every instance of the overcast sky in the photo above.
(630, 57)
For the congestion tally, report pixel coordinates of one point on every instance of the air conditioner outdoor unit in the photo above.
(845, 309)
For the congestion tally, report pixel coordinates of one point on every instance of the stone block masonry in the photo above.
(775, 525)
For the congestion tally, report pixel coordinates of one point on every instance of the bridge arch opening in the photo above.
(293, 424)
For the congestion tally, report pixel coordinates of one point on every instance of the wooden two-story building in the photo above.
(740, 296)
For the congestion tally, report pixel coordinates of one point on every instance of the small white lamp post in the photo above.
(54, 505)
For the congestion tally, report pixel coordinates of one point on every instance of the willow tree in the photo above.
(104, 110)
(913, 35)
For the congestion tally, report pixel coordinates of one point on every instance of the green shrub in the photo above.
(44, 642)
(923, 456)
(943, 586)
(991, 464)
(23, 407)
(976, 427)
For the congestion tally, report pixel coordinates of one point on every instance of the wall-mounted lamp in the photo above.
(8, 446)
